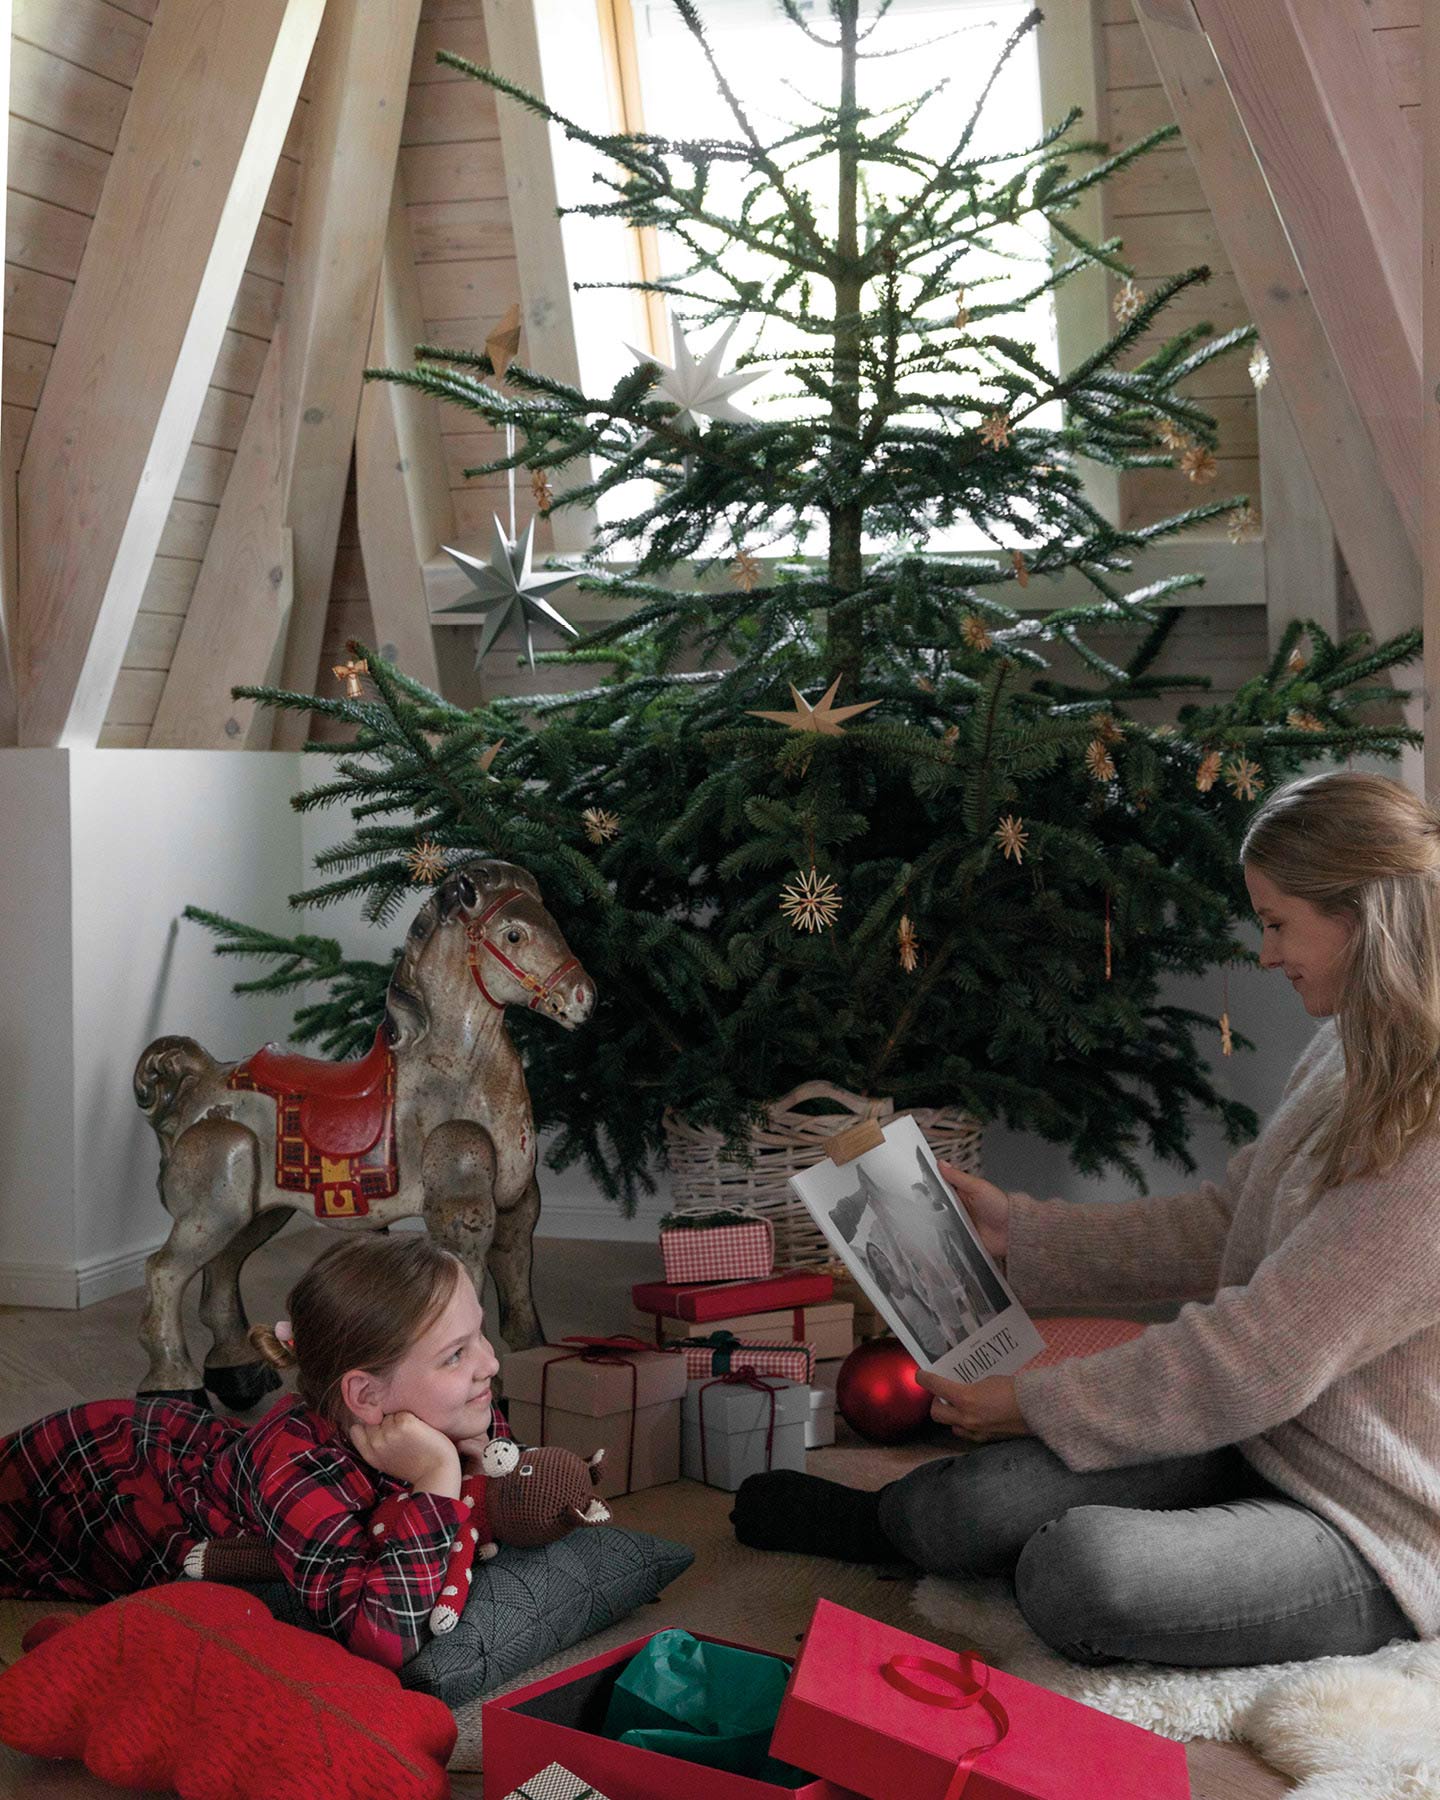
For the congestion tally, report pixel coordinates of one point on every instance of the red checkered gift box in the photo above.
(722, 1351)
(727, 1245)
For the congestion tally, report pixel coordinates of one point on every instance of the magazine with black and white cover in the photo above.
(896, 1223)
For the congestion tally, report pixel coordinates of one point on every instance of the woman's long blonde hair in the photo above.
(1364, 848)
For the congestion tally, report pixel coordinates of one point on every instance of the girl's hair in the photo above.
(361, 1305)
(1364, 848)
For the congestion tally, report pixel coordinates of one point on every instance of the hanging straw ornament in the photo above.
(350, 673)
(811, 902)
(1128, 301)
(1109, 949)
(907, 944)
(1227, 1042)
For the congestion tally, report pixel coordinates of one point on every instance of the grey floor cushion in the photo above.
(527, 1605)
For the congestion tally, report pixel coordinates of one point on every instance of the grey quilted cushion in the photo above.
(528, 1605)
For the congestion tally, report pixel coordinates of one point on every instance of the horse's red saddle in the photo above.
(343, 1105)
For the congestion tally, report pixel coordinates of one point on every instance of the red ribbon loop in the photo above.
(737, 1378)
(967, 1686)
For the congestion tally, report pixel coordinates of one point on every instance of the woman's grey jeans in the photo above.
(1196, 1561)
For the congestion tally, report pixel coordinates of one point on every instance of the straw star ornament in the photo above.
(698, 388)
(811, 902)
(824, 717)
(507, 592)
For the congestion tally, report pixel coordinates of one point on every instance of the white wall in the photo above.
(106, 849)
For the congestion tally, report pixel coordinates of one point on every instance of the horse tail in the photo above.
(165, 1076)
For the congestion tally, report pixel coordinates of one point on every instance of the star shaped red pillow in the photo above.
(195, 1687)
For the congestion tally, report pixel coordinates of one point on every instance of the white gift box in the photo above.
(820, 1426)
(739, 1427)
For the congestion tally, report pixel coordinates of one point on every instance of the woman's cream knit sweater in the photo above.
(1311, 1336)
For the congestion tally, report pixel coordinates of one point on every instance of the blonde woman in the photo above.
(1258, 1479)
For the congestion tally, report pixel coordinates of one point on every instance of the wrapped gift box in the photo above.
(620, 1397)
(716, 1246)
(557, 1719)
(828, 1329)
(697, 1302)
(897, 1715)
(555, 1783)
(820, 1426)
(720, 1351)
(732, 1428)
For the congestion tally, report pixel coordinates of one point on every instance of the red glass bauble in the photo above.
(878, 1395)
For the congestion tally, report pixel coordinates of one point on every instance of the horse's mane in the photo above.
(407, 1016)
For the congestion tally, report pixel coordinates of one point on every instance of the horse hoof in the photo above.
(243, 1385)
(194, 1396)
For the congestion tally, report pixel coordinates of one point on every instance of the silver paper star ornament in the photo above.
(698, 388)
(507, 591)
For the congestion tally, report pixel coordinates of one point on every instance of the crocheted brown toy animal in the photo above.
(524, 1497)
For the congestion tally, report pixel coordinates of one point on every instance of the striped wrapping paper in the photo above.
(555, 1783)
(737, 1252)
(707, 1356)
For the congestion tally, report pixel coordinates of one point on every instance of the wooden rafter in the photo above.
(163, 261)
(1314, 96)
(401, 490)
(1368, 521)
(241, 627)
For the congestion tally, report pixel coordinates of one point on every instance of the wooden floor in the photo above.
(54, 1359)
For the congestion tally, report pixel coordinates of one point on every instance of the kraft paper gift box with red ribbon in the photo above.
(557, 1718)
(723, 1245)
(741, 1424)
(616, 1394)
(720, 1351)
(555, 1783)
(896, 1715)
(829, 1329)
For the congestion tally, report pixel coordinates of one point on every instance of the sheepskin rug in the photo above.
(1343, 1727)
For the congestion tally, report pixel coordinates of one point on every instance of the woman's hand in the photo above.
(987, 1205)
(412, 1451)
(979, 1411)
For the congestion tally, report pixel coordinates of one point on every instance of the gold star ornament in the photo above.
(811, 902)
(975, 632)
(825, 717)
(1243, 777)
(427, 862)
(996, 431)
(600, 824)
(1012, 837)
(907, 945)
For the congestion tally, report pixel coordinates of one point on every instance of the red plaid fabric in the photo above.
(104, 1499)
(791, 1362)
(718, 1252)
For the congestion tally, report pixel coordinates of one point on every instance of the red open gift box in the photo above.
(558, 1719)
(900, 1716)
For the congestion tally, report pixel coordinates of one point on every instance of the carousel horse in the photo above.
(435, 1119)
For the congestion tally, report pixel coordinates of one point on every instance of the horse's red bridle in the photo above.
(540, 992)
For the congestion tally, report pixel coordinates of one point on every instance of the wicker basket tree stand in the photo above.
(790, 1140)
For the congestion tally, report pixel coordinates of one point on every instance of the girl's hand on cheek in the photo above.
(412, 1451)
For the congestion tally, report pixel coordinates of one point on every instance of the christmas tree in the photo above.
(969, 887)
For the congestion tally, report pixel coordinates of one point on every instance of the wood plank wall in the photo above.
(74, 64)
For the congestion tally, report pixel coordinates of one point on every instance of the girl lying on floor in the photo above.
(393, 1371)
(1259, 1479)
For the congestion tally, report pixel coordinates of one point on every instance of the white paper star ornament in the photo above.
(507, 591)
(698, 388)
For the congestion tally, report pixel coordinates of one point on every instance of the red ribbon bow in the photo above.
(613, 1352)
(738, 1378)
(967, 1686)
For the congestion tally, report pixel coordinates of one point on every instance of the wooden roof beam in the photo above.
(1315, 98)
(291, 470)
(1369, 522)
(163, 261)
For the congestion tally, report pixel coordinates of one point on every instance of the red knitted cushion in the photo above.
(1065, 1338)
(196, 1687)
